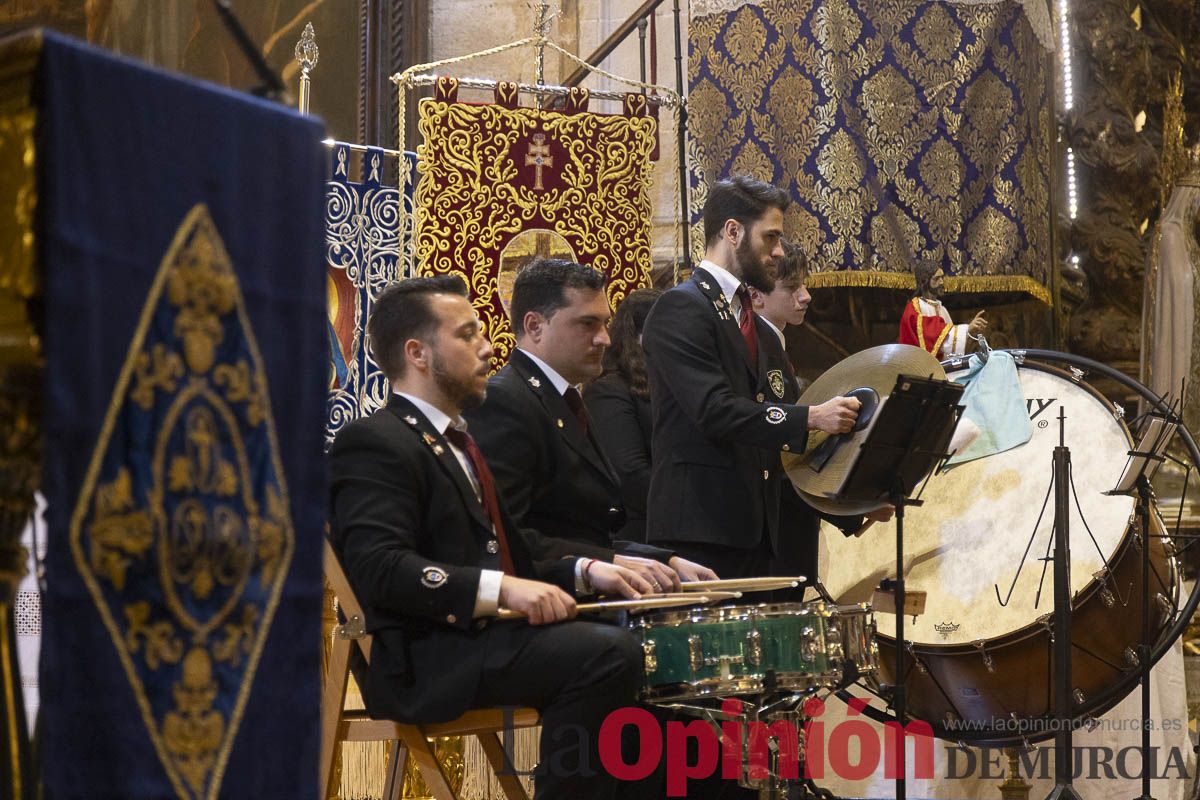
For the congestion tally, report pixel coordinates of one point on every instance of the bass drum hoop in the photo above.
(1102, 701)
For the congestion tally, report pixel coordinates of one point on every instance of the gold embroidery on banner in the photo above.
(952, 120)
(183, 565)
(471, 206)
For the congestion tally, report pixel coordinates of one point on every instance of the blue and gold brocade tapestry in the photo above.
(365, 251)
(941, 106)
(185, 352)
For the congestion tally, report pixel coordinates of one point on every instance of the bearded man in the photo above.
(927, 324)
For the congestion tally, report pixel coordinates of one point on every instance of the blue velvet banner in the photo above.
(365, 251)
(902, 130)
(180, 231)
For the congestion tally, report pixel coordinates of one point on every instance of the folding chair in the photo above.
(404, 741)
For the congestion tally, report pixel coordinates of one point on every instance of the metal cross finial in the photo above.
(306, 50)
(306, 53)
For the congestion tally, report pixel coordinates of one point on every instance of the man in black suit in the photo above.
(718, 424)
(535, 430)
(431, 552)
(799, 524)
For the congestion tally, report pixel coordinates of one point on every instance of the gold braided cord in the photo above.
(403, 81)
(901, 280)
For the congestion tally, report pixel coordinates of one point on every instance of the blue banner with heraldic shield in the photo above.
(182, 532)
(186, 356)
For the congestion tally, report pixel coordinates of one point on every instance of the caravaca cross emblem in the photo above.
(539, 158)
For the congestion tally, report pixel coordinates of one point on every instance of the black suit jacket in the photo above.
(799, 523)
(717, 475)
(413, 538)
(623, 423)
(554, 476)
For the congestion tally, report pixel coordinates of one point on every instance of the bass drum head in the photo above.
(975, 546)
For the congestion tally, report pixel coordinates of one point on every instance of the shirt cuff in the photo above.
(487, 598)
(581, 587)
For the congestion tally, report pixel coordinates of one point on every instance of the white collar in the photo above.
(561, 384)
(778, 332)
(437, 418)
(728, 283)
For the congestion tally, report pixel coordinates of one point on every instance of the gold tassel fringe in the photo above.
(976, 284)
(480, 781)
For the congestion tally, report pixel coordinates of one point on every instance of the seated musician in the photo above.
(432, 552)
(535, 431)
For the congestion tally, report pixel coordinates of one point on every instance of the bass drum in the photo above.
(983, 647)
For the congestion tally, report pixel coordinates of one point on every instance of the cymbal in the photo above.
(874, 369)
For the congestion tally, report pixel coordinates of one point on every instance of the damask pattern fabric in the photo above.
(366, 249)
(184, 479)
(942, 107)
(501, 184)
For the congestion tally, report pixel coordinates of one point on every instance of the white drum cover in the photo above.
(977, 520)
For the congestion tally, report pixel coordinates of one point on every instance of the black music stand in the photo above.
(1144, 461)
(907, 440)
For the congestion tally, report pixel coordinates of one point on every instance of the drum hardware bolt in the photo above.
(808, 648)
(1077, 374)
(1018, 356)
(1106, 597)
(754, 647)
(651, 652)
(1118, 411)
(1164, 605)
(924, 670)
(987, 657)
(1131, 657)
(1091, 723)
(695, 653)
(1078, 696)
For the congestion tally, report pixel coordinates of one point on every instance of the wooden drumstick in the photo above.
(643, 604)
(744, 584)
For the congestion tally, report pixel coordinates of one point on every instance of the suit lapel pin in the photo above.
(410, 419)
(433, 444)
(534, 382)
(705, 285)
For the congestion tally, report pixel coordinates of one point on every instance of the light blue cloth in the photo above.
(995, 404)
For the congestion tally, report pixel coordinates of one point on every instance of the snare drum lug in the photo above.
(1106, 597)
(1077, 374)
(1164, 606)
(987, 657)
(808, 643)
(754, 648)
(1018, 356)
(1131, 657)
(1118, 411)
(695, 653)
(650, 651)
(1078, 696)
(1091, 723)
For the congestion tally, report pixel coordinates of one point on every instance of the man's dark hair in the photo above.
(742, 198)
(542, 287)
(793, 267)
(923, 272)
(402, 312)
(625, 355)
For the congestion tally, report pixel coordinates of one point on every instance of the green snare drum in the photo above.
(728, 650)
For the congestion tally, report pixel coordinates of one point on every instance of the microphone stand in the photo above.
(271, 85)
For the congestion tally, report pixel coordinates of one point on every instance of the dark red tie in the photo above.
(487, 487)
(746, 323)
(575, 401)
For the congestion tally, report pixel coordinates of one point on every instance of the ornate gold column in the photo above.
(20, 379)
